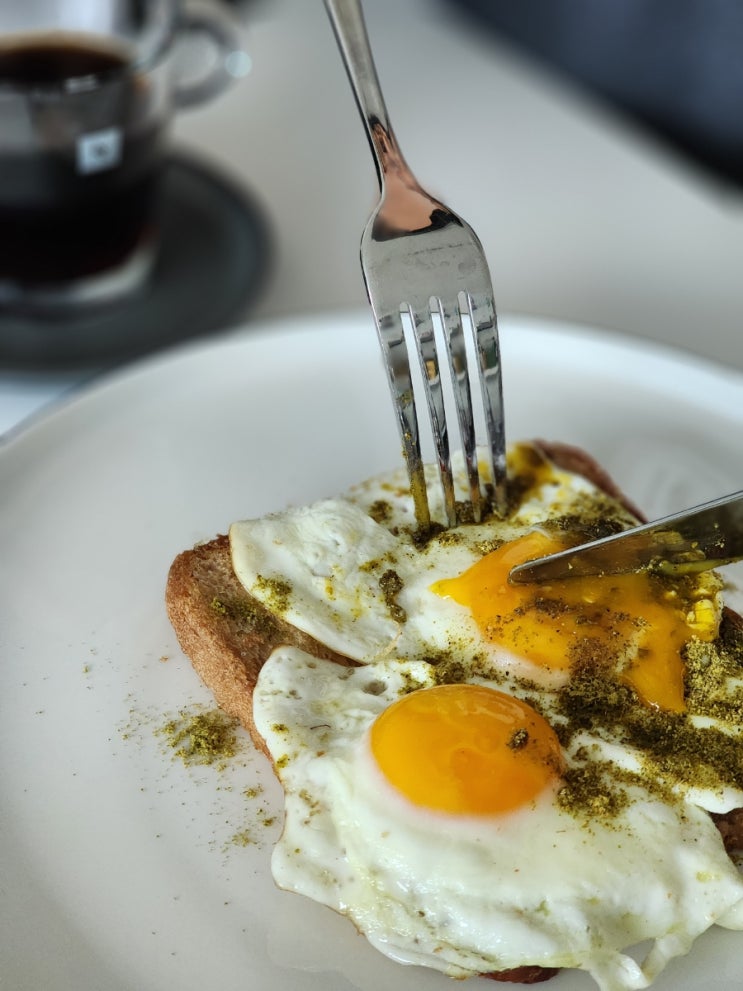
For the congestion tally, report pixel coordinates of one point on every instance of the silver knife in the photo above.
(699, 539)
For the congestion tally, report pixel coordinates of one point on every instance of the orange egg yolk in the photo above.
(636, 623)
(465, 749)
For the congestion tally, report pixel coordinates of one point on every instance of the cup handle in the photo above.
(231, 61)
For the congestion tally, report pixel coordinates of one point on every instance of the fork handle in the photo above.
(347, 19)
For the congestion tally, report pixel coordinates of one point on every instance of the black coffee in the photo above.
(78, 199)
(51, 62)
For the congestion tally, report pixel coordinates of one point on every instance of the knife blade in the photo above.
(707, 536)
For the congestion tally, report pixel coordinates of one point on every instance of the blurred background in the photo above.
(597, 149)
(586, 212)
(671, 66)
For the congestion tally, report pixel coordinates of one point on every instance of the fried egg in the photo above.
(431, 816)
(512, 775)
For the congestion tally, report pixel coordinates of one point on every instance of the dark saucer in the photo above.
(213, 260)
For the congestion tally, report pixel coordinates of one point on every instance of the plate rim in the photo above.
(258, 332)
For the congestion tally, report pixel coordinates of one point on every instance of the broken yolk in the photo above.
(466, 749)
(635, 622)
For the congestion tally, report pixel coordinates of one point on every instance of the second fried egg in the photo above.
(433, 817)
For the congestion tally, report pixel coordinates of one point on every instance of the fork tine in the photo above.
(485, 329)
(458, 367)
(394, 349)
(422, 321)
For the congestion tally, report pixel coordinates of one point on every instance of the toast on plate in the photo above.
(228, 634)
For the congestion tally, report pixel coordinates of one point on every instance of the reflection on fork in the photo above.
(426, 277)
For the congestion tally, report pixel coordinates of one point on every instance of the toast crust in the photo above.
(225, 632)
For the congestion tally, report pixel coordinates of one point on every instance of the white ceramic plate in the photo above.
(118, 868)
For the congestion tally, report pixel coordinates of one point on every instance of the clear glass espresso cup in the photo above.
(87, 91)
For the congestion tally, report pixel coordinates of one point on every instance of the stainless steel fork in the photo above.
(424, 267)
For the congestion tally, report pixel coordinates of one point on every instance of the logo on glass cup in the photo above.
(99, 150)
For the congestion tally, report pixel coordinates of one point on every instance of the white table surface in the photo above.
(582, 218)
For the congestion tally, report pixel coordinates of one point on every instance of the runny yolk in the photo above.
(465, 749)
(634, 622)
